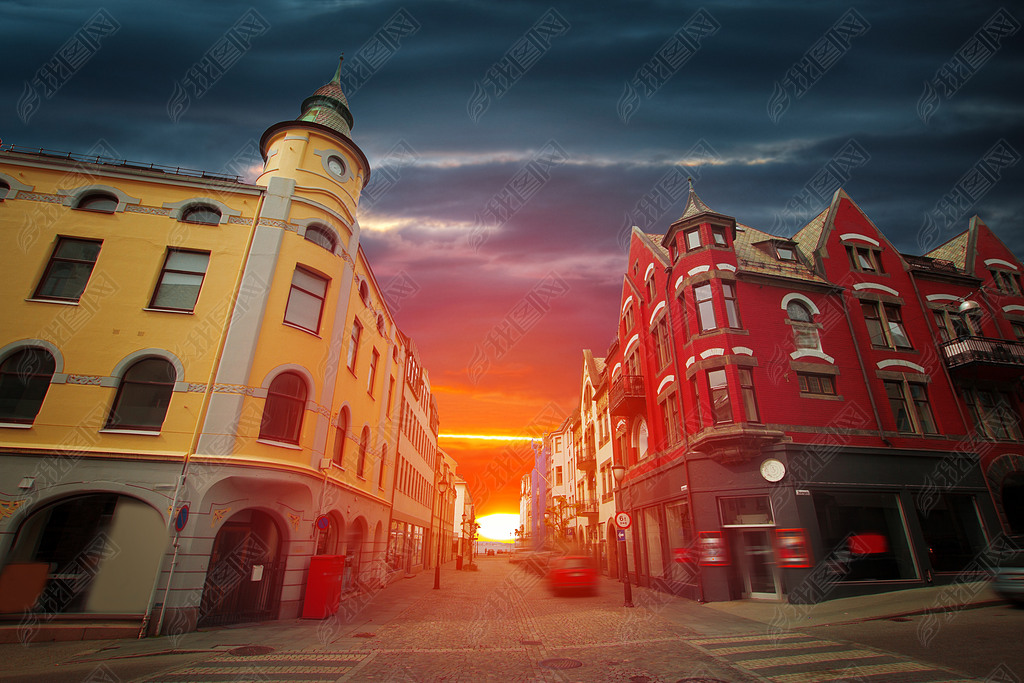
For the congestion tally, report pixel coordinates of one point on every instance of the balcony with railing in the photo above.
(586, 459)
(587, 507)
(626, 395)
(996, 357)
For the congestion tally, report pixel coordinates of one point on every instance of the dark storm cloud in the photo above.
(766, 156)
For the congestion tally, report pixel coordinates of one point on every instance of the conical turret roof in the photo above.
(694, 205)
(328, 106)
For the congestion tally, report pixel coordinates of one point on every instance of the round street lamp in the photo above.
(442, 487)
(619, 473)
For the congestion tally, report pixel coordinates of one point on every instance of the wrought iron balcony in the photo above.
(1000, 354)
(586, 460)
(587, 507)
(626, 395)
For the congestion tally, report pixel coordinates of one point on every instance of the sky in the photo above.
(513, 144)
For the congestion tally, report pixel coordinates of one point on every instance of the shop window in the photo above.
(679, 534)
(885, 325)
(864, 536)
(306, 300)
(746, 511)
(910, 407)
(201, 214)
(721, 406)
(994, 413)
(69, 269)
(653, 534)
(143, 395)
(705, 307)
(816, 385)
(24, 380)
(284, 408)
(180, 280)
(864, 259)
(952, 529)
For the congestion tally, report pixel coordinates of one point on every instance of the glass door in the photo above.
(757, 564)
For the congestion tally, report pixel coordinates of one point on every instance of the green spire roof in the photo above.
(328, 106)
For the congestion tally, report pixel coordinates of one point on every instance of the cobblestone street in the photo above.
(499, 623)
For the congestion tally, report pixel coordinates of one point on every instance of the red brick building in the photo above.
(815, 416)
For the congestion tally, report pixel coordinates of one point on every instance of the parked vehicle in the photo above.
(1009, 579)
(575, 573)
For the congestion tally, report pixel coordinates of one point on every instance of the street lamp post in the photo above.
(442, 487)
(619, 472)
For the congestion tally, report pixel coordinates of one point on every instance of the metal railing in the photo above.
(965, 350)
(123, 163)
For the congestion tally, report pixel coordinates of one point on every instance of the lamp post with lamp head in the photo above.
(442, 488)
(619, 473)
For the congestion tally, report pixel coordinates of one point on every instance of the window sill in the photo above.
(180, 311)
(135, 432)
(15, 425)
(280, 444)
(62, 302)
(301, 329)
(822, 397)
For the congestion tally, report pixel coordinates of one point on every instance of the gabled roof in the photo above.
(954, 251)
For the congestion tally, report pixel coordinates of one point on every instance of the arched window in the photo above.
(321, 236)
(640, 440)
(201, 214)
(340, 438)
(282, 413)
(143, 395)
(798, 312)
(24, 379)
(364, 445)
(98, 201)
(805, 332)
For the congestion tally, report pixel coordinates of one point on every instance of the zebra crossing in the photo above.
(799, 658)
(276, 667)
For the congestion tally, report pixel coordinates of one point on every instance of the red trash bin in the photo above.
(323, 586)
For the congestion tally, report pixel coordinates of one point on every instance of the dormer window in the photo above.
(785, 252)
(100, 202)
(201, 215)
(321, 236)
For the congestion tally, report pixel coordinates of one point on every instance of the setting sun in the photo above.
(498, 527)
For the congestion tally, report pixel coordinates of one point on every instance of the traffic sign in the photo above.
(621, 534)
(181, 519)
(623, 520)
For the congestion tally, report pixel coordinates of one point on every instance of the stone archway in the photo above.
(92, 553)
(243, 581)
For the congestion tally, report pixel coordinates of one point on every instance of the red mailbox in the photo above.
(323, 586)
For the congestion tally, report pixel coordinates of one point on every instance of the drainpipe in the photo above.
(669, 297)
(197, 432)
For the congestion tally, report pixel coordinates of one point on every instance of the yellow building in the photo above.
(197, 383)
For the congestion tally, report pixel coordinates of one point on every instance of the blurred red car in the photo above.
(572, 573)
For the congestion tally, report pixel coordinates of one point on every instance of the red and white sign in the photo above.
(623, 520)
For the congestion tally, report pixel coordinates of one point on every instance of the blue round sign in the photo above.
(181, 519)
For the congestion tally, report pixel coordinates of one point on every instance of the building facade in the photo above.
(199, 383)
(816, 416)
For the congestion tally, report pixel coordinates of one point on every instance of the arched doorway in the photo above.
(243, 581)
(96, 553)
(1013, 501)
(354, 538)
